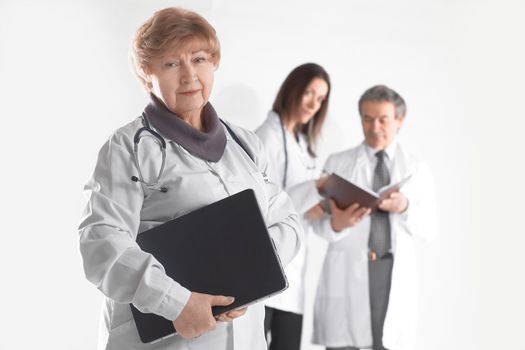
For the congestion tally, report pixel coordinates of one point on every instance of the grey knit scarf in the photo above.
(208, 145)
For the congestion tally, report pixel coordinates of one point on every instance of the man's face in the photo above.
(380, 124)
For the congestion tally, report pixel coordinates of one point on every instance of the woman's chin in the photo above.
(306, 119)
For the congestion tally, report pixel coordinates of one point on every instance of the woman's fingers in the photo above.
(231, 315)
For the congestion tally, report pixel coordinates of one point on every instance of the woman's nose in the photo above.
(310, 103)
(187, 74)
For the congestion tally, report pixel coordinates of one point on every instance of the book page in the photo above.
(385, 191)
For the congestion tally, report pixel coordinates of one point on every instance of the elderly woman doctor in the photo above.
(177, 157)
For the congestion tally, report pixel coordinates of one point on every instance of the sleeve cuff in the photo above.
(404, 214)
(304, 196)
(285, 249)
(325, 230)
(173, 302)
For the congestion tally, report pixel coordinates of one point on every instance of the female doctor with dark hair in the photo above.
(177, 157)
(289, 134)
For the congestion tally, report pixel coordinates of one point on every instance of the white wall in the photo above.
(65, 85)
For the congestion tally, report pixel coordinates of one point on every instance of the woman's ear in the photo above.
(146, 78)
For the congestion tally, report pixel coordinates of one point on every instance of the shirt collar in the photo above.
(390, 150)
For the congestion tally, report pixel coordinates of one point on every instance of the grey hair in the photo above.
(382, 93)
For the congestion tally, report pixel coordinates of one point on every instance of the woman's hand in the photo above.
(344, 218)
(315, 212)
(231, 315)
(319, 183)
(196, 317)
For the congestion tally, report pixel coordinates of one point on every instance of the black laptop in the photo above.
(222, 249)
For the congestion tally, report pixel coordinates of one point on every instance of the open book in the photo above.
(346, 193)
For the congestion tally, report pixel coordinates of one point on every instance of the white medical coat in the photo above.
(300, 186)
(342, 304)
(119, 209)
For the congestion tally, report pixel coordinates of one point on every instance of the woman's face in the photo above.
(313, 97)
(183, 78)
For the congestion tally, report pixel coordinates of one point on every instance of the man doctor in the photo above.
(367, 293)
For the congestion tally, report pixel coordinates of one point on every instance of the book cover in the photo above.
(346, 193)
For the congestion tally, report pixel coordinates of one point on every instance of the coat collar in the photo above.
(208, 145)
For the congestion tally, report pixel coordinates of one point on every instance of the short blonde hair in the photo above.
(166, 29)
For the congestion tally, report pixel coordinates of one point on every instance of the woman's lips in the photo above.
(189, 93)
(307, 112)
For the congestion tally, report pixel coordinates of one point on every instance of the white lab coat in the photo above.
(119, 209)
(300, 186)
(342, 304)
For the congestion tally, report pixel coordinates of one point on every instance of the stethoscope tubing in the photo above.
(136, 139)
(160, 139)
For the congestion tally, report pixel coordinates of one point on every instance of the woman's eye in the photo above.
(172, 64)
(200, 59)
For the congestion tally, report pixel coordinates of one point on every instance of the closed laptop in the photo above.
(221, 249)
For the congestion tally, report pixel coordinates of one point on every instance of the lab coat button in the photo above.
(372, 256)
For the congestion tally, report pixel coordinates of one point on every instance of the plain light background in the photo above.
(65, 85)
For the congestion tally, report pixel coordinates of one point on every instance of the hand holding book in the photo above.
(396, 202)
(346, 193)
(344, 218)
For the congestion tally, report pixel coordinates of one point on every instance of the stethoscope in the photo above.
(285, 146)
(285, 153)
(147, 131)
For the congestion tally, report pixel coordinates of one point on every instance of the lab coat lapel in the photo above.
(400, 167)
(361, 173)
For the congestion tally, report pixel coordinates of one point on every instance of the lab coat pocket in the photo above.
(126, 327)
(333, 275)
(125, 336)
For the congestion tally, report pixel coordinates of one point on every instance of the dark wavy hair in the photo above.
(290, 96)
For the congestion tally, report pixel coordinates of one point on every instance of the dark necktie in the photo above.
(379, 241)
